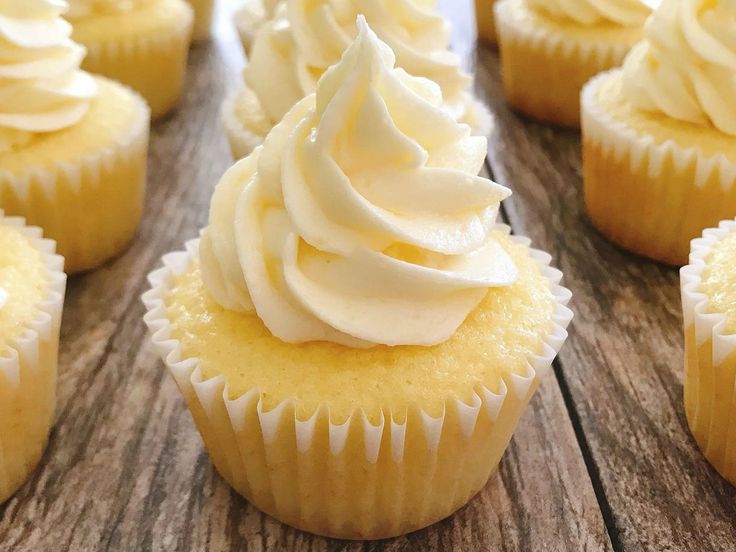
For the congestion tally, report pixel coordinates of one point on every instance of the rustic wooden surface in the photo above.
(602, 460)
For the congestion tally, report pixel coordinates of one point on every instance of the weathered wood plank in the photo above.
(126, 469)
(622, 366)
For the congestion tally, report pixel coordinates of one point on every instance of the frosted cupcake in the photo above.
(709, 307)
(72, 146)
(295, 48)
(485, 20)
(659, 135)
(141, 43)
(250, 17)
(203, 12)
(357, 353)
(551, 48)
(31, 299)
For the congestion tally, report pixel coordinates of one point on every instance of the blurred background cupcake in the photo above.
(551, 48)
(141, 43)
(280, 325)
(659, 135)
(709, 309)
(203, 12)
(292, 51)
(72, 146)
(32, 284)
(485, 20)
(251, 15)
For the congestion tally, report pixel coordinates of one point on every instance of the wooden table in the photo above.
(602, 460)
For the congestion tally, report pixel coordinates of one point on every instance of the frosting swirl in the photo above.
(306, 37)
(85, 8)
(42, 88)
(627, 13)
(360, 220)
(686, 65)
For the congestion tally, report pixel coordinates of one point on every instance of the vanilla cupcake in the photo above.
(305, 38)
(203, 12)
(485, 20)
(32, 284)
(551, 48)
(250, 17)
(709, 308)
(72, 146)
(659, 135)
(356, 354)
(142, 43)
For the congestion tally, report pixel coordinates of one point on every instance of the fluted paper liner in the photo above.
(544, 70)
(710, 361)
(352, 480)
(88, 239)
(28, 373)
(153, 64)
(651, 198)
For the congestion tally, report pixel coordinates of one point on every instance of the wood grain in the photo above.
(621, 370)
(600, 461)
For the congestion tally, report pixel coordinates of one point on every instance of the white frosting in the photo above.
(41, 86)
(628, 13)
(360, 220)
(3, 297)
(85, 8)
(686, 66)
(292, 51)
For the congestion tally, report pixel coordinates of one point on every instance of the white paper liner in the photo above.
(133, 143)
(242, 140)
(213, 392)
(21, 355)
(695, 304)
(510, 27)
(615, 137)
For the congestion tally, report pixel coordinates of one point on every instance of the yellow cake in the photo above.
(31, 298)
(709, 307)
(657, 169)
(142, 44)
(349, 382)
(485, 20)
(551, 48)
(304, 38)
(203, 12)
(75, 165)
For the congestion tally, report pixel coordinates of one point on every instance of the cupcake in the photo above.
(356, 354)
(709, 308)
(140, 43)
(250, 17)
(551, 48)
(305, 37)
(659, 135)
(485, 20)
(202, 26)
(72, 146)
(32, 284)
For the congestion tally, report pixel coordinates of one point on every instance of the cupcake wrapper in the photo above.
(352, 480)
(544, 71)
(631, 185)
(154, 65)
(88, 238)
(710, 362)
(242, 140)
(28, 373)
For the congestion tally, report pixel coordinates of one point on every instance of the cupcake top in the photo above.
(85, 8)
(719, 279)
(42, 88)
(23, 282)
(685, 68)
(627, 13)
(292, 51)
(363, 221)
